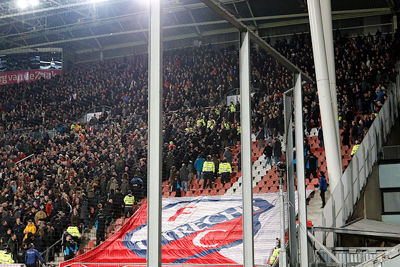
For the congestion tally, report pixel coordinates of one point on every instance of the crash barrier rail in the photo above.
(383, 258)
(50, 250)
(349, 256)
(347, 192)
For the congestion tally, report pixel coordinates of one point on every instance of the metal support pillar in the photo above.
(154, 158)
(282, 253)
(245, 121)
(301, 187)
(288, 106)
(326, 12)
(324, 94)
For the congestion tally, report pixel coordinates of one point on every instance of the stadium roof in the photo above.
(119, 27)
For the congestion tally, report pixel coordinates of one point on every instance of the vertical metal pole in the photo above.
(282, 253)
(301, 187)
(288, 106)
(245, 121)
(154, 156)
(326, 12)
(321, 70)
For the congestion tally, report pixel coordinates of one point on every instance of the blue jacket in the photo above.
(31, 255)
(323, 185)
(70, 250)
(198, 164)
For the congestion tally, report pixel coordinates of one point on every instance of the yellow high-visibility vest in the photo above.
(210, 124)
(5, 258)
(201, 123)
(274, 256)
(217, 111)
(224, 167)
(208, 166)
(233, 108)
(129, 200)
(239, 129)
(72, 126)
(227, 126)
(354, 150)
(74, 231)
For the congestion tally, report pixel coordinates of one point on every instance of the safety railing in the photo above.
(347, 192)
(387, 256)
(50, 251)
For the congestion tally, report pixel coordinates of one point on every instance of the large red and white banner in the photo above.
(201, 230)
(12, 77)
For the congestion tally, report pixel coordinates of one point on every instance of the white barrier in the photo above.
(343, 198)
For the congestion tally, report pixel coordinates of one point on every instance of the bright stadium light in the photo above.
(22, 4)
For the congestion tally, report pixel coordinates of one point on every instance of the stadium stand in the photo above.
(59, 179)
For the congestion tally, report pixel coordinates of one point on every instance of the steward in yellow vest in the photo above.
(355, 148)
(210, 124)
(129, 200)
(208, 171)
(6, 257)
(73, 231)
(225, 169)
(274, 256)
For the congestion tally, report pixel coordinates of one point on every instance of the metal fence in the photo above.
(345, 195)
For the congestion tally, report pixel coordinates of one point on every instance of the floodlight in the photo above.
(22, 4)
(34, 3)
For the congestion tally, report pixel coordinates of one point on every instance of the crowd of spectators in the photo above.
(83, 172)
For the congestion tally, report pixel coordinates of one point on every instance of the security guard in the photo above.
(201, 123)
(232, 108)
(225, 169)
(210, 124)
(74, 231)
(129, 200)
(239, 129)
(72, 126)
(274, 256)
(6, 257)
(208, 171)
(226, 124)
(355, 148)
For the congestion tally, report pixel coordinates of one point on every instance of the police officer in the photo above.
(129, 200)
(225, 169)
(32, 256)
(208, 171)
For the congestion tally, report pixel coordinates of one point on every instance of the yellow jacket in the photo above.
(30, 228)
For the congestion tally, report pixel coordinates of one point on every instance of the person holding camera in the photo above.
(71, 248)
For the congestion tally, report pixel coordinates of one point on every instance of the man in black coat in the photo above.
(268, 154)
(277, 149)
(100, 225)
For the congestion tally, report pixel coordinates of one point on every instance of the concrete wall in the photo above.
(369, 206)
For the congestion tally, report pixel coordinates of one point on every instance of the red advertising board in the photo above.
(12, 77)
